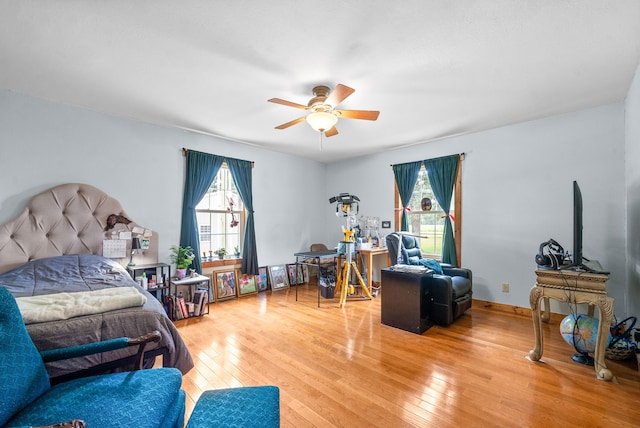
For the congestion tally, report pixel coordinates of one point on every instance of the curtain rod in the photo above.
(184, 153)
(459, 154)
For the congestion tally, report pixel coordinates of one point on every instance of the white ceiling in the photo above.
(433, 68)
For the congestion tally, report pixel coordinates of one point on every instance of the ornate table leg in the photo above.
(535, 295)
(605, 305)
(546, 315)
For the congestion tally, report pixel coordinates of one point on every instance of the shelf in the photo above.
(196, 294)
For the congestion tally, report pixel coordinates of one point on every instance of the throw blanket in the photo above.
(62, 306)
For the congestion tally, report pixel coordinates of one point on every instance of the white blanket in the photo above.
(62, 306)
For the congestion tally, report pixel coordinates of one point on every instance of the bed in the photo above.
(54, 251)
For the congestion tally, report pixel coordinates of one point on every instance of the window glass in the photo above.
(426, 217)
(220, 215)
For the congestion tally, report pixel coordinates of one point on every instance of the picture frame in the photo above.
(262, 281)
(278, 277)
(246, 283)
(225, 284)
(292, 273)
(303, 274)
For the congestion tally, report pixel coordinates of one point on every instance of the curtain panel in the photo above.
(442, 176)
(201, 170)
(241, 172)
(406, 175)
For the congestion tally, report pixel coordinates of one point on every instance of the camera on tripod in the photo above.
(345, 204)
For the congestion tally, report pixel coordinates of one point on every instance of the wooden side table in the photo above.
(573, 287)
(369, 254)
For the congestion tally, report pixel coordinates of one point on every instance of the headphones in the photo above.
(550, 254)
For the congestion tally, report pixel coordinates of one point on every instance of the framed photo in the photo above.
(246, 284)
(225, 284)
(292, 272)
(303, 274)
(278, 277)
(261, 279)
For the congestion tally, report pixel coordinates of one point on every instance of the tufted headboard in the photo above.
(66, 219)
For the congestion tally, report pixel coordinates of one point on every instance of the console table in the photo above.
(572, 287)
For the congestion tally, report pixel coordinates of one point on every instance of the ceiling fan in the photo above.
(323, 114)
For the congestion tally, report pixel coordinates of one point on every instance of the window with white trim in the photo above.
(221, 216)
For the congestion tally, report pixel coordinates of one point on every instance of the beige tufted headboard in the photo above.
(66, 219)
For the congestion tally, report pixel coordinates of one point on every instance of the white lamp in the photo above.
(322, 121)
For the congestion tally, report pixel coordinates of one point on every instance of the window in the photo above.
(429, 223)
(220, 215)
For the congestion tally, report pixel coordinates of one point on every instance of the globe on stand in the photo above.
(581, 332)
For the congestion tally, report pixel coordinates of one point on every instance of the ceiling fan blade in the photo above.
(331, 132)
(293, 122)
(339, 94)
(358, 114)
(287, 103)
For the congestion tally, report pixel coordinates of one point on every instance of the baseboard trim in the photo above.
(515, 310)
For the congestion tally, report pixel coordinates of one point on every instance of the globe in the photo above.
(583, 335)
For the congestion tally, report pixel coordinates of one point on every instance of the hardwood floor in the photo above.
(343, 368)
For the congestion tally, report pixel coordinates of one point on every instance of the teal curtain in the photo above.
(201, 170)
(241, 172)
(442, 175)
(406, 176)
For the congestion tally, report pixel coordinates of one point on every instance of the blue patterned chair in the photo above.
(245, 407)
(144, 398)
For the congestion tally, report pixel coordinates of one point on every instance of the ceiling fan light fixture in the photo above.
(321, 120)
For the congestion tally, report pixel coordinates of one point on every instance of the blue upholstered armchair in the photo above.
(450, 288)
(144, 398)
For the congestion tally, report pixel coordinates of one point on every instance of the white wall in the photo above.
(516, 184)
(45, 144)
(517, 193)
(632, 127)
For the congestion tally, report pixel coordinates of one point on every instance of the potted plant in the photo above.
(182, 257)
(221, 252)
(236, 252)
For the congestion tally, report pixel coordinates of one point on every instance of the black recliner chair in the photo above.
(449, 294)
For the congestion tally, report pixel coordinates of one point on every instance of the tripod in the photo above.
(342, 282)
(346, 208)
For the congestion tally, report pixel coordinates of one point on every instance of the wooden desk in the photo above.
(368, 255)
(573, 287)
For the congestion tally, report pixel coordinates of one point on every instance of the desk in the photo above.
(304, 257)
(369, 254)
(573, 287)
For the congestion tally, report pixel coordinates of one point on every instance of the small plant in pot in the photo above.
(220, 252)
(236, 252)
(182, 257)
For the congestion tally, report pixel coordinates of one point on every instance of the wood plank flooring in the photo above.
(340, 367)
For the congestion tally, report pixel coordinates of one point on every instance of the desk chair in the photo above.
(327, 266)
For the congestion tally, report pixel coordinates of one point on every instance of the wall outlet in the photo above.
(505, 287)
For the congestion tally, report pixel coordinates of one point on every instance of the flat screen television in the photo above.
(577, 227)
(578, 260)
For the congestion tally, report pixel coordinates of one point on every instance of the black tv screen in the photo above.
(577, 225)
